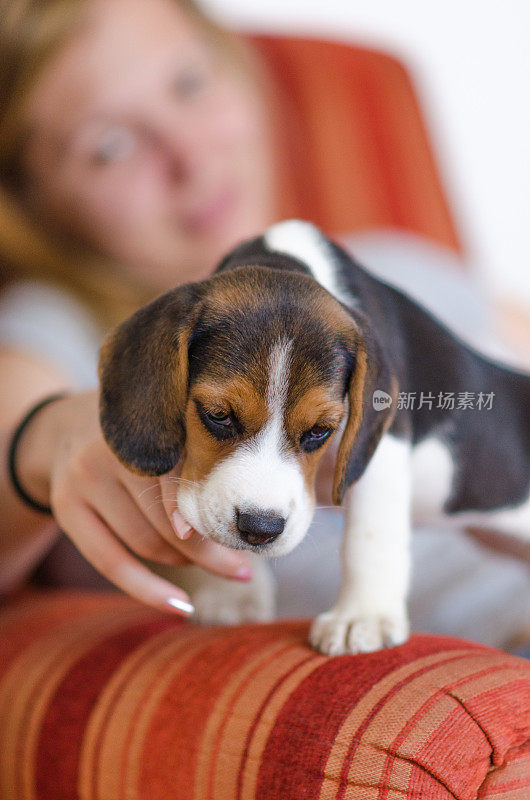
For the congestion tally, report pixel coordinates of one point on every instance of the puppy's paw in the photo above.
(224, 602)
(336, 633)
(221, 601)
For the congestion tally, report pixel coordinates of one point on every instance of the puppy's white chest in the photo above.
(432, 479)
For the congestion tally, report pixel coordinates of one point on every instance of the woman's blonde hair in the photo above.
(31, 31)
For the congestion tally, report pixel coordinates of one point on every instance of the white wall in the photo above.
(471, 63)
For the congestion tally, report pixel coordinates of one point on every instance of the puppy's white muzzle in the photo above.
(255, 499)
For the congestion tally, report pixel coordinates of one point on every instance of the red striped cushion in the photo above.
(103, 699)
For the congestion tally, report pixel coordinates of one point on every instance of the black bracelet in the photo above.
(21, 427)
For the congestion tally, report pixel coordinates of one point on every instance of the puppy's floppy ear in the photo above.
(365, 425)
(143, 372)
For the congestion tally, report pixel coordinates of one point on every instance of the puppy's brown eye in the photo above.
(219, 418)
(221, 424)
(315, 437)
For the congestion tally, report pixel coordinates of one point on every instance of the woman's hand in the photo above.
(111, 515)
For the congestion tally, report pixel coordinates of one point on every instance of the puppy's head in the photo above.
(244, 378)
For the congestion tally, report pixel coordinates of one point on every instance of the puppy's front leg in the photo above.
(222, 601)
(371, 610)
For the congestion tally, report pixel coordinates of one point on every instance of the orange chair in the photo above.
(354, 146)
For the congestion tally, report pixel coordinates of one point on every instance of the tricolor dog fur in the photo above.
(248, 378)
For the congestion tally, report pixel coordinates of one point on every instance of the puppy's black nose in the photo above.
(259, 528)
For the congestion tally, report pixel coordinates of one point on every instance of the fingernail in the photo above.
(243, 574)
(181, 605)
(182, 528)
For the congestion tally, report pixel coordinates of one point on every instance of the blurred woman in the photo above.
(135, 149)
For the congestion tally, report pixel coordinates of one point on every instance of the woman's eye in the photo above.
(314, 437)
(116, 144)
(189, 82)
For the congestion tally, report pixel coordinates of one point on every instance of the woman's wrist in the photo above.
(29, 456)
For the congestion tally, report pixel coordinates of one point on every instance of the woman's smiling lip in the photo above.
(209, 216)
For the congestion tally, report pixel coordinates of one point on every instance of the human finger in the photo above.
(126, 520)
(203, 551)
(168, 521)
(111, 558)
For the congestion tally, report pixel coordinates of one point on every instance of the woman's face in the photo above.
(148, 143)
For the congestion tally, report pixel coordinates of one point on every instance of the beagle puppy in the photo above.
(248, 377)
